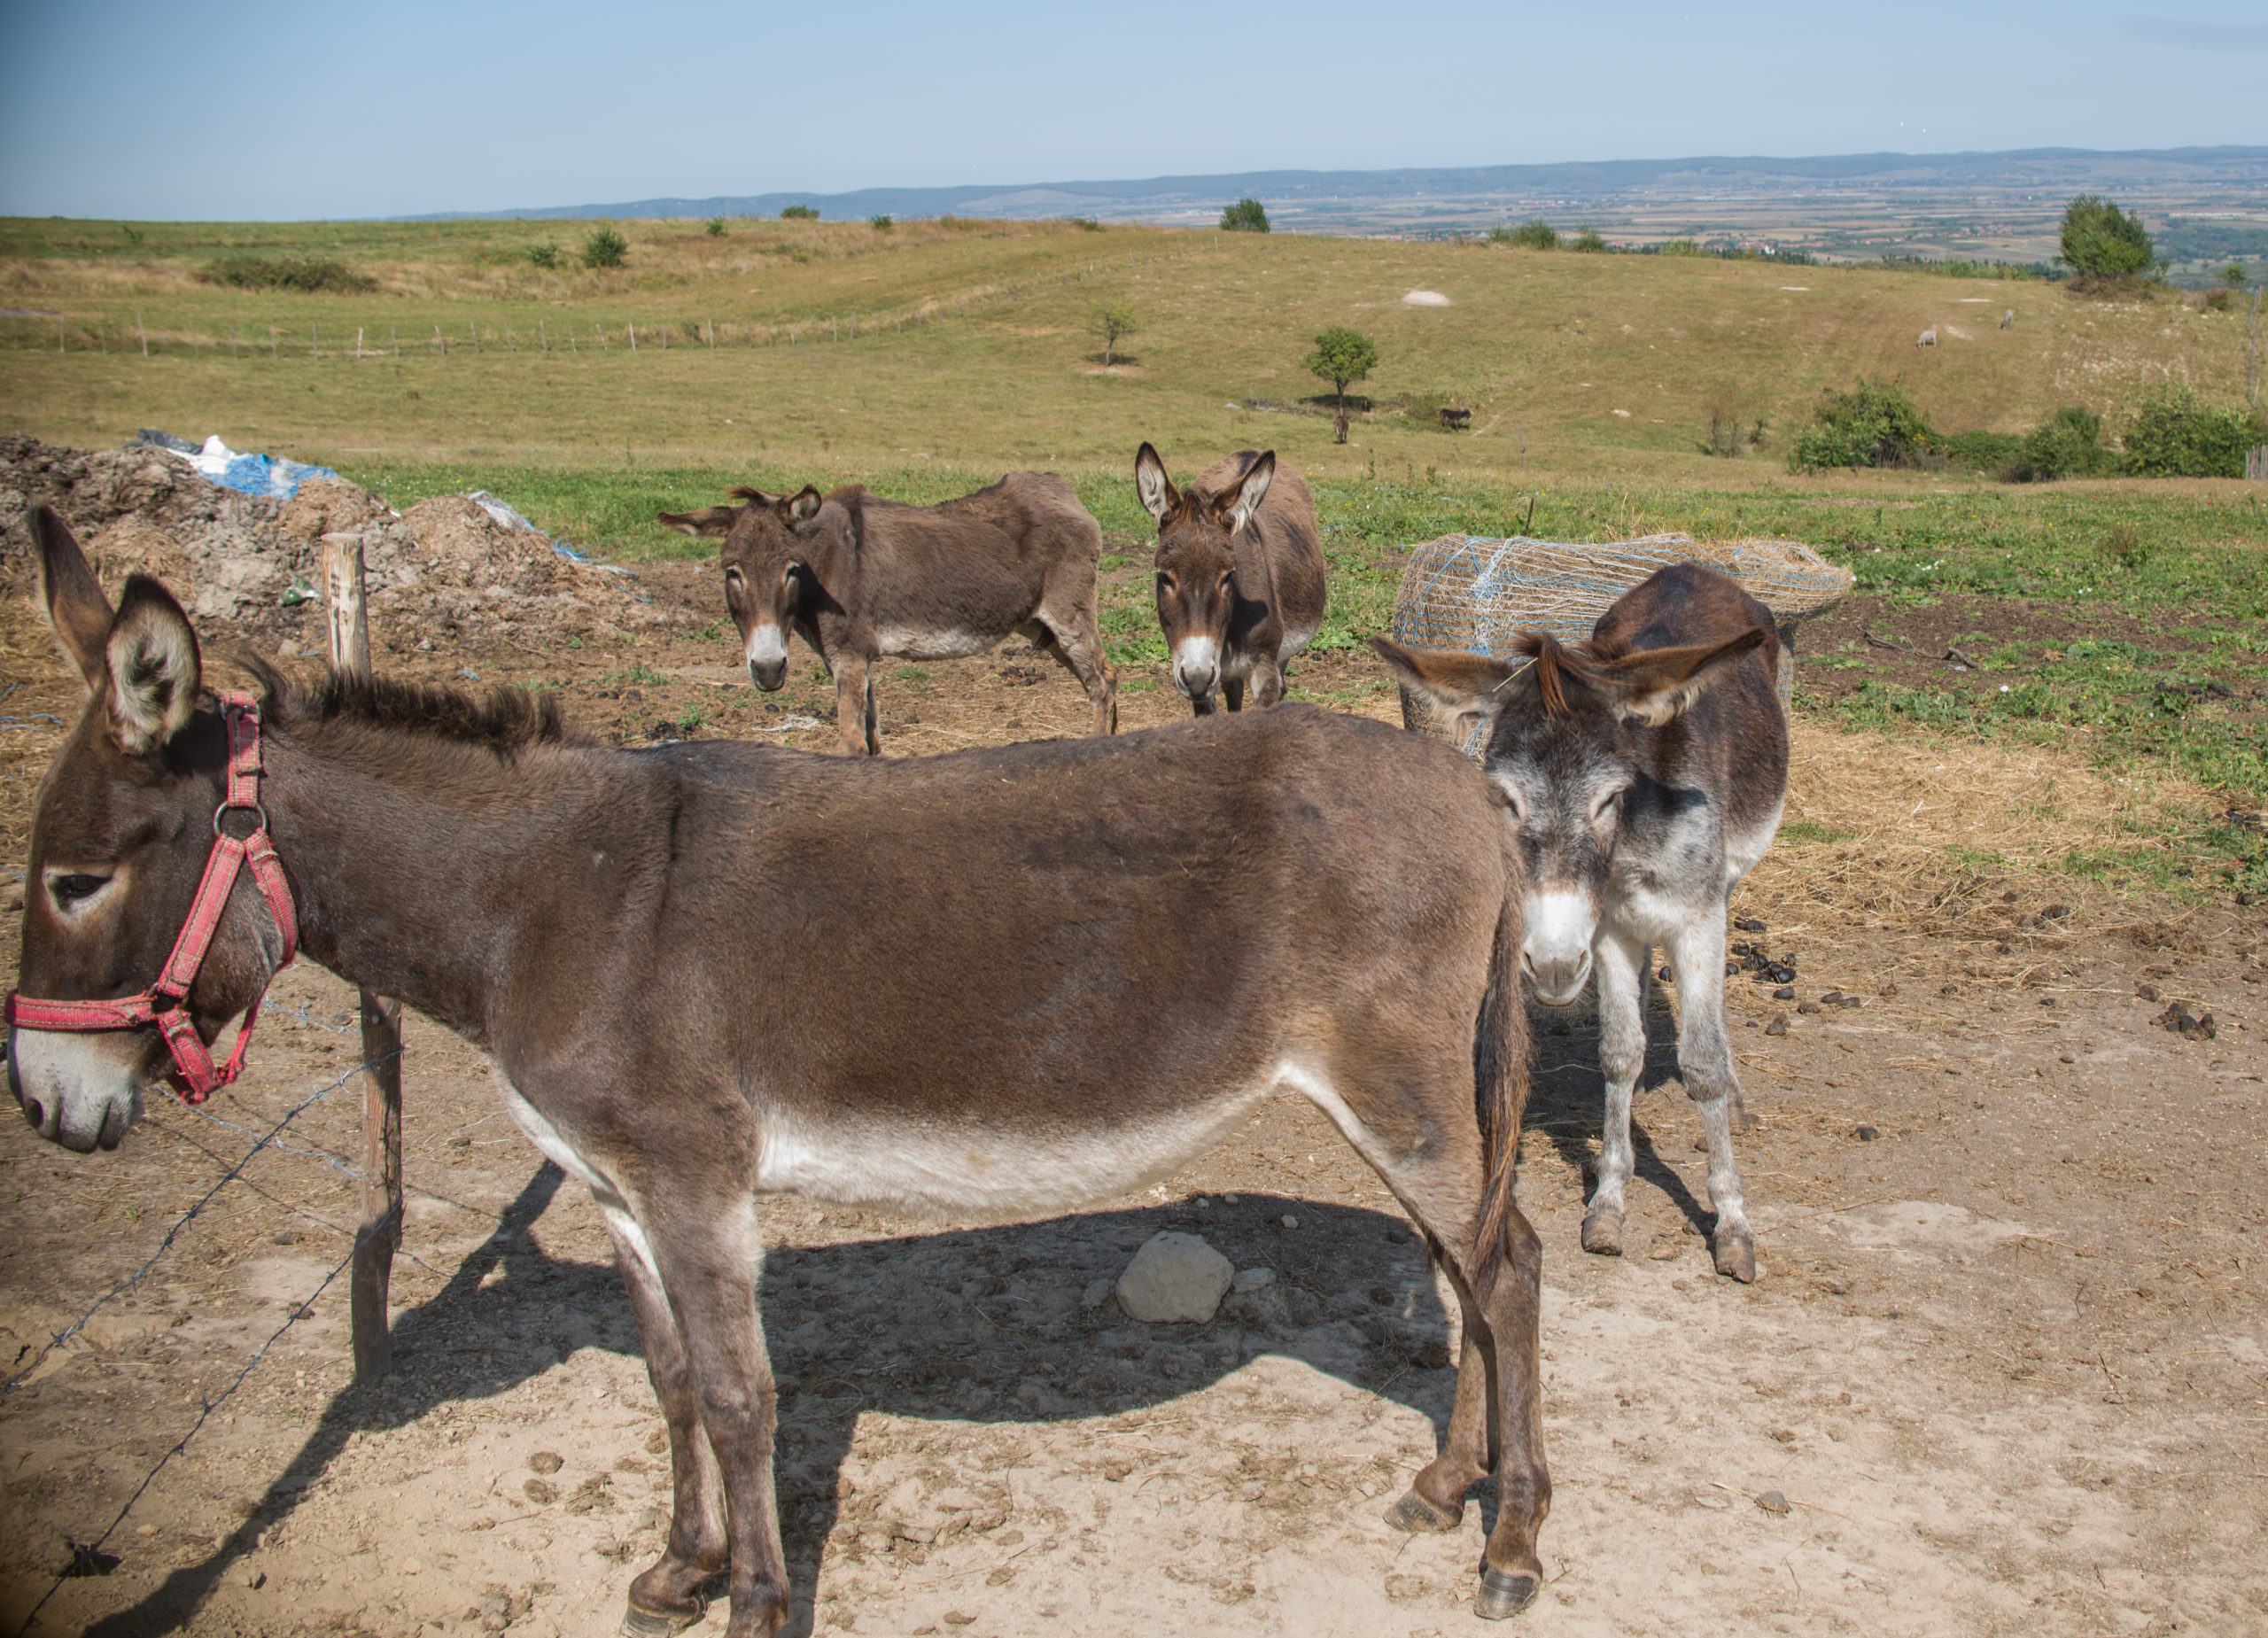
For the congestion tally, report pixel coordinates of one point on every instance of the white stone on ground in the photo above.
(1174, 1278)
(1252, 1279)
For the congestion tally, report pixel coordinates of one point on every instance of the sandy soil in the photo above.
(2004, 1372)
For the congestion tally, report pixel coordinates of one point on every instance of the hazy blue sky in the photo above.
(134, 108)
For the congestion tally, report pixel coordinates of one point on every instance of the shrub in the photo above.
(2068, 444)
(605, 248)
(1981, 452)
(2174, 434)
(1874, 425)
(715, 227)
(800, 212)
(1536, 233)
(1087, 223)
(1588, 241)
(1245, 216)
(880, 224)
(2102, 242)
(2234, 276)
(1679, 248)
(288, 273)
(544, 255)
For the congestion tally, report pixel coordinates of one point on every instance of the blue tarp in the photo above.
(251, 475)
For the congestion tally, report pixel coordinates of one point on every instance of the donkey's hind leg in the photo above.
(667, 1596)
(1705, 1059)
(1076, 641)
(709, 1256)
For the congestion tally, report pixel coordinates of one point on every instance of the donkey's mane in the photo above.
(1553, 666)
(502, 720)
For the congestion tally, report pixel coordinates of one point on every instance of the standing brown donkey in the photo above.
(1042, 1023)
(1241, 586)
(862, 579)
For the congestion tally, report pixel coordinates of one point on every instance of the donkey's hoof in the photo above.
(1602, 1233)
(1736, 1256)
(1503, 1594)
(637, 1622)
(1414, 1515)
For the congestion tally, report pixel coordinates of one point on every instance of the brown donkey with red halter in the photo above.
(1009, 997)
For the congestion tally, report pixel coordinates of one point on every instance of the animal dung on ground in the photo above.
(1807, 1006)
(1778, 1026)
(2147, 992)
(1772, 1502)
(2177, 1018)
(1749, 924)
(1866, 1134)
(1785, 992)
(1175, 1278)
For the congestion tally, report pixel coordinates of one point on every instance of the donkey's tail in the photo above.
(1500, 1070)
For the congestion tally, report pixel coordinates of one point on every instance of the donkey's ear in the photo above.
(76, 605)
(709, 520)
(805, 506)
(1158, 496)
(1242, 502)
(153, 668)
(1657, 685)
(1467, 684)
(742, 492)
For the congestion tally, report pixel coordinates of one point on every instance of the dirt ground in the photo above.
(2003, 1372)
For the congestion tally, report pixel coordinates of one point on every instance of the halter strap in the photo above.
(165, 1003)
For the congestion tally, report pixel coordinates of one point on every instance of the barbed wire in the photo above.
(298, 1311)
(265, 1140)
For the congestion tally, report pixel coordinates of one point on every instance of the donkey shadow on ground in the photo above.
(1567, 1103)
(1011, 1325)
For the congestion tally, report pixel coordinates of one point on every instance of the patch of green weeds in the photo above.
(1798, 832)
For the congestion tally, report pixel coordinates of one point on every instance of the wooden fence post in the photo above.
(380, 1231)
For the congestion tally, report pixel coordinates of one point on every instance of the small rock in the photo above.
(1097, 1293)
(1177, 1278)
(1252, 1279)
(1290, 1222)
(1664, 974)
(255, 1579)
(2147, 992)
(1807, 1006)
(540, 1492)
(1867, 1134)
(954, 1618)
(2065, 1058)
(1785, 992)
(546, 1461)
(1773, 1502)
(1662, 1251)
(1778, 1026)
(468, 673)
(1889, 992)
(1784, 1435)
(413, 1566)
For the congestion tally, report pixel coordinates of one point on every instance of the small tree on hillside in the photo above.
(715, 226)
(1536, 233)
(1587, 240)
(606, 248)
(1341, 356)
(1245, 216)
(799, 213)
(1111, 320)
(2102, 242)
(2233, 275)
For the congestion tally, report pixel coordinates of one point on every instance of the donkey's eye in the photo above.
(75, 889)
(1165, 584)
(1603, 805)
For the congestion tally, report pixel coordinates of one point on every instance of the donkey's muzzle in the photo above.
(768, 677)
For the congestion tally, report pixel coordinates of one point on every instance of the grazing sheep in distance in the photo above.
(2009, 319)
(1927, 339)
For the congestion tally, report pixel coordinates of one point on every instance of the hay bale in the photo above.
(1477, 594)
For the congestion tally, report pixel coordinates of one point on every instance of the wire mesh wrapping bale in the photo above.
(1477, 594)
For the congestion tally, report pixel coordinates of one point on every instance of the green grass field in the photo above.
(926, 360)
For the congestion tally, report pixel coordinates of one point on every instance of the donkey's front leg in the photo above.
(666, 1597)
(1705, 1059)
(1622, 967)
(710, 1256)
(854, 706)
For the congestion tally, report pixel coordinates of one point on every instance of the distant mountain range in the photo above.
(1415, 199)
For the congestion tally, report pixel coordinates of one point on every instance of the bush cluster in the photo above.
(799, 213)
(2068, 444)
(2174, 434)
(288, 273)
(1534, 234)
(544, 255)
(1873, 424)
(605, 248)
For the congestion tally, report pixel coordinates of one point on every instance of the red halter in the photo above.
(165, 1003)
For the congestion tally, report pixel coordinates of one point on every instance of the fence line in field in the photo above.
(95, 335)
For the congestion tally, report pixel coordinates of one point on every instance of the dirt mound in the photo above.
(446, 571)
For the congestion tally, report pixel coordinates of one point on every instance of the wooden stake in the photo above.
(543, 335)
(633, 328)
(380, 1230)
(358, 341)
(143, 333)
